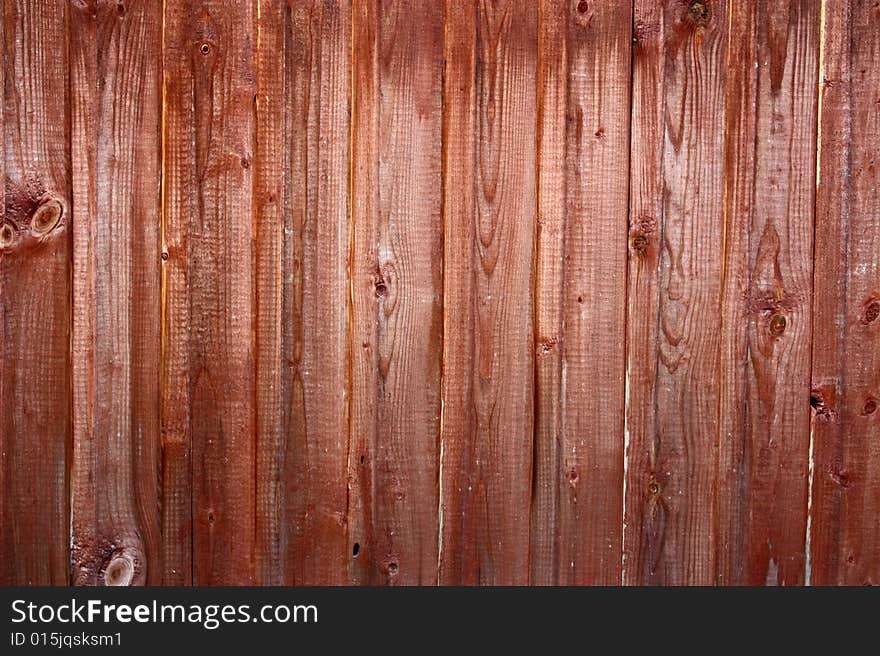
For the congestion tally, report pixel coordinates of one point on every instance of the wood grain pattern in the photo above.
(552, 82)
(590, 253)
(774, 419)
(397, 291)
(845, 540)
(488, 306)
(671, 474)
(116, 216)
(35, 238)
(210, 85)
(303, 287)
(474, 292)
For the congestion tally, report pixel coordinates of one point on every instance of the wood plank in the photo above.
(35, 234)
(209, 142)
(116, 150)
(585, 444)
(397, 289)
(304, 236)
(489, 114)
(845, 537)
(671, 469)
(734, 433)
(397, 292)
(552, 82)
(772, 414)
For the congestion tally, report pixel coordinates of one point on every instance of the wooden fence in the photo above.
(474, 292)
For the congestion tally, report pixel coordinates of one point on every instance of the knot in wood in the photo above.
(778, 322)
(7, 235)
(698, 13)
(46, 217)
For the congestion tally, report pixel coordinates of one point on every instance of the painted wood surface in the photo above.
(473, 292)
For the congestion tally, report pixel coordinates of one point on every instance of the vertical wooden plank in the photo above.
(589, 291)
(35, 421)
(732, 485)
(270, 187)
(178, 205)
(641, 501)
(316, 312)
(210, 88)
(549, 251)
(774, 418)
(397, 288)
(844, 538)
(671, 470)
(488, 292)
(116, 150)
(594, 300)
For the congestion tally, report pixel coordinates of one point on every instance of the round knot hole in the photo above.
(7, 235)
(872, 311)
(582, 7)
(653, 488)
(869, 407)
(119, 571)
(47, 217)
(778, 322)
(205, 48)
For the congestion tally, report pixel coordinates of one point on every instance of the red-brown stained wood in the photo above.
(303, 282)
(116, 215)
(35, 292)
(397, 320)
(732, 491)
(670, 521)
(209, 149)
(489, 230)
(549, 250)
(586, 441)
(845, 538)
(771, 429)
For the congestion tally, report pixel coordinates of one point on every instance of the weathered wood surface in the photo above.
(481, 291)
(35, 296)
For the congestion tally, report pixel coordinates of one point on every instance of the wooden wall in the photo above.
(462, 292)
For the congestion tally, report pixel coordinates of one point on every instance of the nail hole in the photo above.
(356, 550)
(205, 48)
(46, 217)
(580, 299)
(7, 235)
(362, 460)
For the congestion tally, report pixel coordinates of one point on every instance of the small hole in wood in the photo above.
(362, 460)
(392, 568)
(580, 299)
(870, 407)
(355, 550)
(205, 48)
(47, 217)
(164, 256)
(653, 488)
